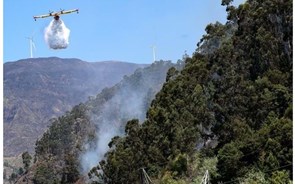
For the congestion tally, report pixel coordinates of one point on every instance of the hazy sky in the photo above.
(122, 30)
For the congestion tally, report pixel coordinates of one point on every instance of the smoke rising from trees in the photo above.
(56, 35)
(127, 104)
(128, 100)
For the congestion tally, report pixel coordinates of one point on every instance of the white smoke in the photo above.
(56, 35)
(131, 101)
(126, 104)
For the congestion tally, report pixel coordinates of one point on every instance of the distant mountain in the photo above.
(78, 140)
(38, 89)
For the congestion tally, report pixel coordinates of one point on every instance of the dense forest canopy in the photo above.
(236, 91)
(228, 111)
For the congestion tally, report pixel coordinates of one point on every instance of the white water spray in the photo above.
(57, 35)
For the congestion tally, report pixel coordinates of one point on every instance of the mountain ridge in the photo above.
(38, 89)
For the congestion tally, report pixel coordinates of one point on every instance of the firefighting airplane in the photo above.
(56, 14)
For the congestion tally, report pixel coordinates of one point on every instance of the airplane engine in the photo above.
(56, 17)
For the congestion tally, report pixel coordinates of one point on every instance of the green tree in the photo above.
(229, 161)
(45, 174)
(20, 171)
(280, 177)
(26, 160)
(70, 172)
(254, 177)
(12, 177)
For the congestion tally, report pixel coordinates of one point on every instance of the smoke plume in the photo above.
(127, 104)
(57, 35)
(131, 100)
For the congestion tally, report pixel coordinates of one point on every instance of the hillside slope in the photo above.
(235, 90)
(78, 140)
(36, 90)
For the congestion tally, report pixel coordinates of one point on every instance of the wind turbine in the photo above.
(32, 45)
(154, 52)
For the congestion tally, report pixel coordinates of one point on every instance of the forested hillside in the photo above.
(38, 89)
(78, 140)
(236, 90)
(228, 112)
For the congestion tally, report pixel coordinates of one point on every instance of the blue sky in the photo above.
(122, 30)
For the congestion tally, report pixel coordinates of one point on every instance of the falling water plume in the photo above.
(57, 35)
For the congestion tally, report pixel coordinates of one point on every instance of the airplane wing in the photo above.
(42, 16)
(70, 11)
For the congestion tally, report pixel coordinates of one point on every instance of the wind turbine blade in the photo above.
(33, 44)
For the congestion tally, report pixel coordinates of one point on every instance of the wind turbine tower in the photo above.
(32, 45)
(154, 52)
